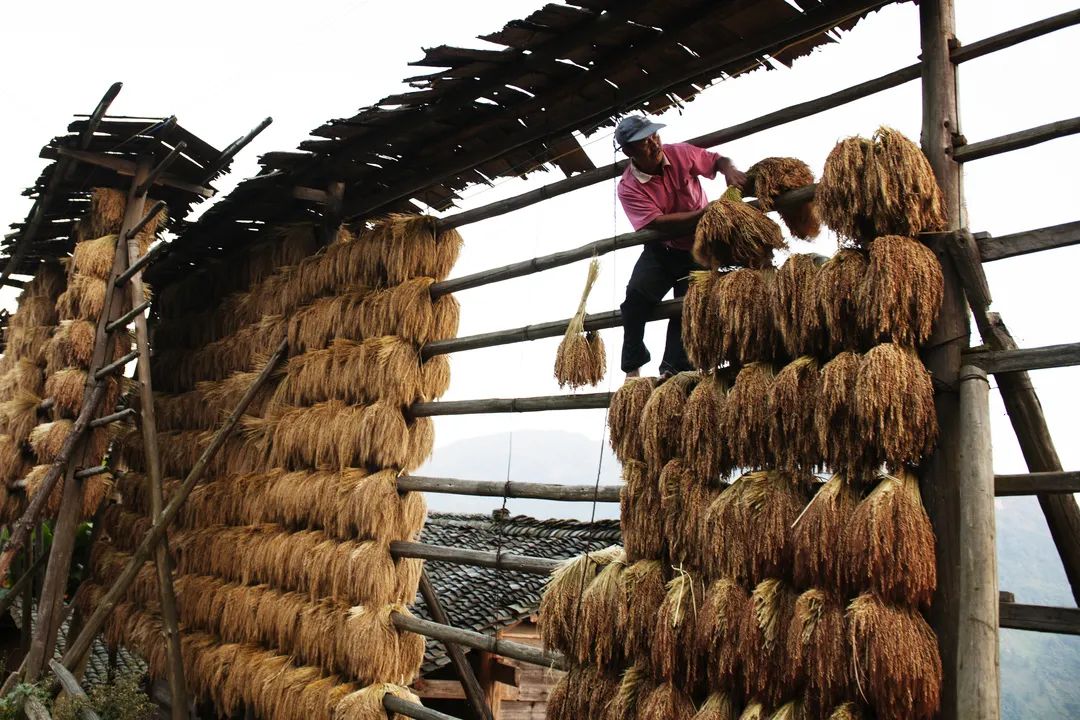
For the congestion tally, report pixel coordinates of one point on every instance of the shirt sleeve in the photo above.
(640, 209)
(701, 162)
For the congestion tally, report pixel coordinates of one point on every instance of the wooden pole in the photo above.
(162, 559)
(477, 558)
(479, 641)
(498, 488)
(473, 692)
(951, 334)
(81, 644)
(1017, 140)
(978, 665)
(508, 405)
(1037, 483)
(1048, 238)
(1007, 361)
(394, 704)
(71, 687)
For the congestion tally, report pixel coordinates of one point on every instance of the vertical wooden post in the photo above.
(940, 121)
(978, 678)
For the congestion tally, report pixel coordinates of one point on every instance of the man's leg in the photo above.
(680, 264)
(649, 282)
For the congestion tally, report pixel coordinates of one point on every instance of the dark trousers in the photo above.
(658, 270)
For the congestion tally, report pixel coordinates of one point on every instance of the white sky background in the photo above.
(221, 67)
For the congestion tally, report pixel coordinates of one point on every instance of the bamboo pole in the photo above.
(1037, 483)
(394, 704)
(498, 488)
(1017, 140)
(978, 666)
(81, 644)
(508, 405)
(25, 580)
(479, 641)
(477, 558)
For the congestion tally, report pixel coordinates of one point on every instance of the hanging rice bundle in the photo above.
(684, 503)
(796, 308)
(793, 400)
(640, 513)
(881, 186)
(24, 375)
(719, 623)
(849, 711)
(890, 543)
(34, 311)
(560, 605)
(435, 377)
(73, 345)
(839, 288)
(375, 649)
(724, 550)
(674, 656)
(764, 637)
(603, 617)
(817, 649)
(84, 299)
(730, 232)
(580, 359)
(367, 704)
(624, 418)
(94, 257)
(895, 659)
(13, 465)
(95, 489)
(702, 331)
(819, 555)
(413, 245)
(772, 176)
(703, 432)
(636, 684)
(47, 439)
(836, 423)
(28, 343)
(666, 702)
(661, 418)
(791, 710)
(767, 507)
(584, 692)
(747, 419)
(48, 282)
(902, 291)
(718, 706)
(645, 589)
(744, 308)
(421, 443)
(107, 206)
(894, 404)
(754, 710)
(66, 388)
(19, 415)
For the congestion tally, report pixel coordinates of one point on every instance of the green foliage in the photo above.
(11, 704)
(121, 700)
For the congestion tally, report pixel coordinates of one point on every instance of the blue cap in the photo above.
(633, 128)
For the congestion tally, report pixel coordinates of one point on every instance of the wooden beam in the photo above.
(497, 488)
(150, 215)
(1041, 618)
(1038, 483)
(158, 170)
(71, 687)
(1047, 238)
(234, 147)
(479, 641)
(438, 689)
(123, 166)
(477, 558)
(581, 401)
(1015, 36)
(1017, 140)
(1040, 358)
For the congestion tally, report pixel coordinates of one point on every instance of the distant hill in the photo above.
(1038, 671)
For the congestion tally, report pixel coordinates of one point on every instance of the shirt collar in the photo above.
(644, 177)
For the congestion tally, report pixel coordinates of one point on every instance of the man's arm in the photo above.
(732, 174)
(673, 220)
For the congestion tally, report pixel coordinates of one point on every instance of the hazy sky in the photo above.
(221, 67)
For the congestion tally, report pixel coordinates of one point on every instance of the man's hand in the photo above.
(732, 174)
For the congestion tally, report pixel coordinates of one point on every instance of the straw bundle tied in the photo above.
(730, 232)
(702, 332)
(636, 684)
(666, 702)
(580, 359)
(674, 656)
(624, 418)
(25, 375)
(766, 508)
(584, 692)
(560, 606)
(84, 299)
(754, 710)
(745, 315)
(894, 403)
(47, 282)
(645, 590)
(793, 401)
(881, 186)
(684, 502)
(73, 345)
(764, 638)
(718, 706)
(67, 386)
(602, 626)
(94, 257)
(25, 342)
(19, 415)
(902, 291)
(796, 308)
(717, 637)
(895, 659)
(819, 536)
(890, 543)
(661, 419)
(13, 465)
(849, 711)
(95, 489)
(839, 287)
(791, 710)
(817, 649)
(367, 704)
(703, 432)
(107, 206)
(725, 551)
(747, 419)
(772, 176)
(411, 246)
(640, 512)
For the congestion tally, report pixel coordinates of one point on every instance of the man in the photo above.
(659, 190)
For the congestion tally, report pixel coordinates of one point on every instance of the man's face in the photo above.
(647, 153)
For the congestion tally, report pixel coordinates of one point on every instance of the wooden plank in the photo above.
(123, 166)
(1040, 618)
(497, 488)
(1047, 238)
(478, 558)
(1037, 483)
(581, 401)
(1017, 140)
(479, 641)
(438, 689)
(1040, 358)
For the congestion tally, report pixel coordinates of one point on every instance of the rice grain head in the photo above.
(849, 711)
(560, 607)
(754, 710)
(730, 232)
(767, 507)
(839, 288)
(901, 292)
(674, 655)
(634, 686)
(702, 324)
(94, 257)
(19, 415)
(894, 405)
(703, 431)
(818, 650)
(48, 438)
(661, 418)
(666, 702)
(793, 401)
(640, 512)
(603, 622)
(644, 592)
(367, 703)
(684, 502)
(744, 299)
(775, 175)
(718, 706)
(819, 559)
(107, 206)
(836, 422)
(624, 418)
(577, 363)
(747, 419)
(717, 637)
(796, 308)
(765, 643)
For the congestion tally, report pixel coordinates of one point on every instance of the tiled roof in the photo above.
(486, 600)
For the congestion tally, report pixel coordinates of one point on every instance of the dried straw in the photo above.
(747, 419)
(367, 704)
(890, 543)
(674, 656)
(703, 431)
(25, 343)
(603, 617)
(796, 308)
(894, 404)
(754, 710)
(661, 418)
(902, 291)
(744, 305)
(772, 176)
(34, 311)
(684, 502)
(717, 637)
(819, 536)
(666, 702)
(24, 375)
(895, 659)
(767, 506)
(19, 415)
(839, 288)
(107, 206)
(702, 325)
(636, 684)
(817, 649)
(577, 362)
(624, 418)
(640, 512)
(849, 711)
(13, 465)
(84, 299)
(730, 232)
(47, 439)
(764, 638)
(94, 257)
(836, 424)
(718, 706)
(644, 592)
(560, 606)
(793, 400)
